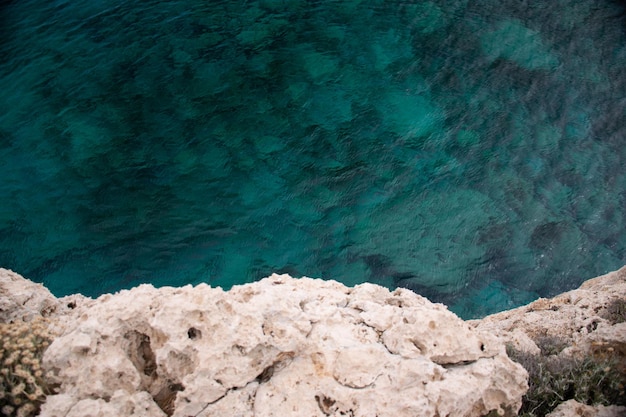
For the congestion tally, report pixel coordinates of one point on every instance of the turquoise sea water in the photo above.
(471, 151)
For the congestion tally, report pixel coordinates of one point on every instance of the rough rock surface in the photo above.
(587, 320)
(572, 408)
(287, 346)
(278, 347)
(23, 299)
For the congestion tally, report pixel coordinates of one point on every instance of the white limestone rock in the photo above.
(278, 347)
(21, 299)
(588, 320)
(573, 408)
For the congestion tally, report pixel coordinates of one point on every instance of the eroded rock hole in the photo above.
(325, 404)
(140, 353)
(194, 333)
(592, 326)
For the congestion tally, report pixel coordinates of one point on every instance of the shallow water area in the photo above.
(473, 153)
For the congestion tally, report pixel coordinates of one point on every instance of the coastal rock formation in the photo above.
(23, 299)
(278, 347)
(579, 339)
(588, 320)
(573, 408)
(292, 347)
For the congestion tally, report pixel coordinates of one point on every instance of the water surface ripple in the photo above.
(471, 151)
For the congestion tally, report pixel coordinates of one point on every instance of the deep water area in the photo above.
(472, 151)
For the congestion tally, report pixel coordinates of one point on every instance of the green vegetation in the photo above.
(616, 311)
(592, 380)
(550, 345)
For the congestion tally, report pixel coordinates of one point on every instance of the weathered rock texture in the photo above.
(23, 299)
(303, 347)
(572, 408)
(586, 323)
(278, 347)
(587, 320)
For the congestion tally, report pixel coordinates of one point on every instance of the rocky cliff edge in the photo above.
(299, 347)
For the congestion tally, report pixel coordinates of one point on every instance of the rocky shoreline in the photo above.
(294, 347)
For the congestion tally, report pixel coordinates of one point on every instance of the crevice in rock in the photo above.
(212, 402)
(266, 374)
(378, 332)
(312, 323)
(382, 342)
(280, 363)
(140, 353)
(228, 391)
(388, 350)
(455, 364)
(166, 396)
(358, 387)
(421, 348)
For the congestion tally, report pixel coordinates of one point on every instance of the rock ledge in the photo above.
(304, 347)
(277, 347)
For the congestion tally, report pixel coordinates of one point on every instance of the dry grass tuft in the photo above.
(22, 384)
(592, 380)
